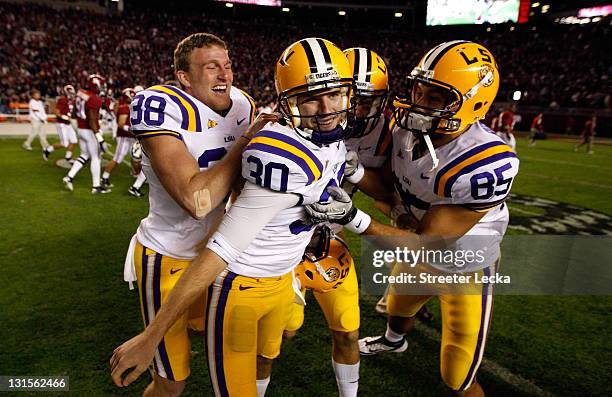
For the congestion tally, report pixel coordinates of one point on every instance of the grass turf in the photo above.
(65, 306)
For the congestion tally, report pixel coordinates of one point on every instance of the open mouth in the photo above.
(220, 88)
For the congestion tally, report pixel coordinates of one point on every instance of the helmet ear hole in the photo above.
(477, 106)
(308, 274)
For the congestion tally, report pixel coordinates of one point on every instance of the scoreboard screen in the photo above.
(467, 12)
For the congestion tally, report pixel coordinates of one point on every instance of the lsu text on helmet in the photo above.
(370, 88)
(311, 67)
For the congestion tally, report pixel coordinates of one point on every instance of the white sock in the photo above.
(49, 149)
(140, 180)
(347, 378)
(76, 167)
(393, 336)
(262, 385)
(68, 154)
(105, 175)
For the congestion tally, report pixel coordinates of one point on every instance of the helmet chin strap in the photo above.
(423, 124)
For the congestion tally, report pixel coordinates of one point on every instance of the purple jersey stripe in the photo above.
(293, 142)
(462, 157)
(472, 167)
(184, 114)
(283, 153)
(161, 348)
(189, 101)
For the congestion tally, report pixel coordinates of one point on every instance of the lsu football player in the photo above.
(330, 274)
(192, 138)
(250, 258)
(453, 175)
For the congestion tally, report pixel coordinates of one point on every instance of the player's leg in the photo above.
(157, 275)
(62, 143)
(93, 149)
(134, 190)
(72, 141)
(296, 318)
(341, 309)
(231, 335)
(80, 161)
(279, 295)
(465, 326)
(590, 145)
(123, 146)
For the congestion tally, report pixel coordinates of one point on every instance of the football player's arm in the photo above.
(255, 207)
(197, 192)
(378, 182)
(92, 117)
(122, 123)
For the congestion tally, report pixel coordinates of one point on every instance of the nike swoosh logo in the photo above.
(359, 224)
(423, 176)
(242, 287)
(240, 121)
(172, 271)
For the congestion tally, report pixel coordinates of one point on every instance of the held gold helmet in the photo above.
(370, 89)
(462, 77)
(307, 67)
(327, 262)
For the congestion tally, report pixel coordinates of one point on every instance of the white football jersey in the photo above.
(374, 148)
(476, 170)
(208, 136)
(279, 159)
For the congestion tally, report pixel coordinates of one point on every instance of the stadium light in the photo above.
(342, 13)
(488, 29)
(286, 9)
(535, 5)
(516, 95)
(512, 28)
(545, 8)
(398, 15)
(229, 5)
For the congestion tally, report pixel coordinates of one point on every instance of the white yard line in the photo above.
(565, 180)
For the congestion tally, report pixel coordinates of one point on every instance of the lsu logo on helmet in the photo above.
(327, 262)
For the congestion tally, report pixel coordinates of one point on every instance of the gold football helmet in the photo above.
(327, 262)
(307, 67)
(370, 89)
(451, 88)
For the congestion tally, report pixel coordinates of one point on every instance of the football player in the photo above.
(192, 138)
(63, 114)
(91, 141)
(369, 137)
(125, 139)
(250, 258)
(453, 175)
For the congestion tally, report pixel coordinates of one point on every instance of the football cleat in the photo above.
(107, 183)
(135, 192)
(100, 190)
(371, 345)
(27, 147)
(68, 183)
(45, 155)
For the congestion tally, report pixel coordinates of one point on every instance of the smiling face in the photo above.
(209, 77)
(322, 104)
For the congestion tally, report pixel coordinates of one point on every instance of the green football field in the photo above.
(64, 306)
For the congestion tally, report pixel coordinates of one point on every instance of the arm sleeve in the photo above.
(251, 212)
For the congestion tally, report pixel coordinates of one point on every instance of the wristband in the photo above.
(360, 222)
(99, 137)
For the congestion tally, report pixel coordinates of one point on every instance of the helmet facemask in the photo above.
(369, 107)
(313, 127)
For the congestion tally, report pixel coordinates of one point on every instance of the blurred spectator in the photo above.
(38, 117)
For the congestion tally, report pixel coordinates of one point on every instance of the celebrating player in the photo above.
(91, 141)
(249, 260)
(453, 175)
(193, 138)
(63, 113)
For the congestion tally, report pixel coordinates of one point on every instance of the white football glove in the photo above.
(339, 210)
(353, 170)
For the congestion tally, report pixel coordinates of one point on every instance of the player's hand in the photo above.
(353, 170)
(101, 142)
(260, 121)
(136, 354)
(338, 210)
